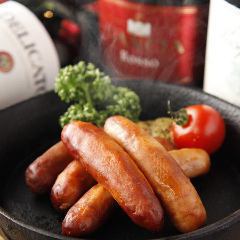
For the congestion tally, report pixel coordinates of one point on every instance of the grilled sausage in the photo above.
(74, 180)
(178, 195)
(166, 143)
(112, 167)
(193, 161)
(72, 183)
(42, 173)
(89, 213)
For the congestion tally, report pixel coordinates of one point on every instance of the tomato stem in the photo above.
(180, 117)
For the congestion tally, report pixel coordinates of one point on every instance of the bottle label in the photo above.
(222, 71)
(150, 41)
(28, 58)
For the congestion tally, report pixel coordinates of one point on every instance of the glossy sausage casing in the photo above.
(193, 161)
(72, 183)
(89, 213)
(74, 180)
(42, 173)
(178, 195)
(112, 167)
(166, 143)
(93, 208)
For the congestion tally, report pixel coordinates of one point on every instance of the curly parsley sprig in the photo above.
(92, 95)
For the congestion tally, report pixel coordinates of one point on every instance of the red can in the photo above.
(156, 40)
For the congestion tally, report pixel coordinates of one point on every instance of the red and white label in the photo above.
(145, 41)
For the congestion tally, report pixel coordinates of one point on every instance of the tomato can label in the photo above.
(144, 41)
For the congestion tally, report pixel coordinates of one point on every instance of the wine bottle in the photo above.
(58, 17)
(35, 39)
(222, 70)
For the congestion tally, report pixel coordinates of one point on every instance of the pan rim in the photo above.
(116, 81)
(217, 226)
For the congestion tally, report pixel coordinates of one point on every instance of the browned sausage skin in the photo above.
(112, 167)
(193, 161)
(89, 213)
(167, 179)
(166, 143)
(72, 183)
(42, 173)
(74, 180)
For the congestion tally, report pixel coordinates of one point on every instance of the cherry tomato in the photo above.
(204, 129)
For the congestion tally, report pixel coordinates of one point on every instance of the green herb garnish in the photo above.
(180, 117)
(92, 95)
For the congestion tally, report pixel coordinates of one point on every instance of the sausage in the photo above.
(166, 143)
(175, 190)
(74, 180)
(72, 183)
(89, 213)
(42, 173)
(193, 161)
(113, 168)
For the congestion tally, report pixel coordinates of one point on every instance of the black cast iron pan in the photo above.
(29, 128)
